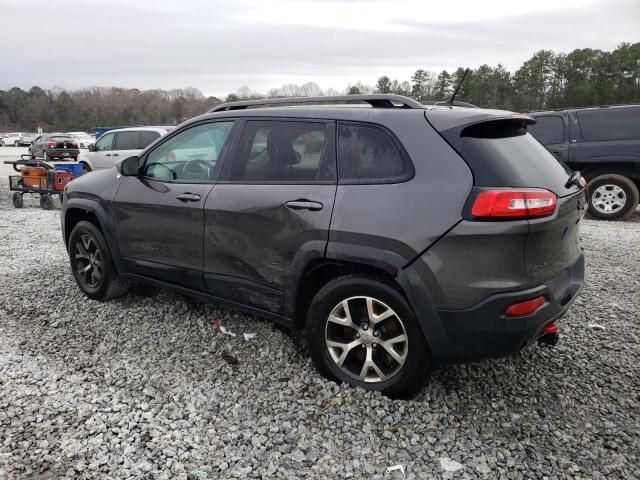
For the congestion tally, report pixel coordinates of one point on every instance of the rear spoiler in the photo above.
(451, 128)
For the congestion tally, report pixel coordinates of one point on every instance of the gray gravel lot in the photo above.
(140, 388)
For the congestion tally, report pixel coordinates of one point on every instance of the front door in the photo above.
(100, 157)
(271, 211)
(160, 212)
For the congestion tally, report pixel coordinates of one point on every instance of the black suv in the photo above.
(397, 235)
(604, 144)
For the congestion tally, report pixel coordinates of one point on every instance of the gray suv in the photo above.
(398, 236)
(604, 144)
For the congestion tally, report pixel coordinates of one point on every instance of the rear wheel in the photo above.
(91, 263)
(17, 200)
(362, 331)
(612, 197)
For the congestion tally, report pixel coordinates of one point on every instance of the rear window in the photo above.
(147, 138)
(127, 140)
(548, 130)
(610, 124)
(503, 154)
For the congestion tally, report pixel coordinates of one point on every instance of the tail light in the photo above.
(527, 307)
(74, 144)
(511, 203)
(51, 144)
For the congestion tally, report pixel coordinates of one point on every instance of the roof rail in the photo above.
(375, 100)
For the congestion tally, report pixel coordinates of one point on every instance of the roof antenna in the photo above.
(455, 92)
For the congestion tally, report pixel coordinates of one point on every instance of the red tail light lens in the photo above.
(527, 307)
(514, 203)
(74, 144)
(51, 144)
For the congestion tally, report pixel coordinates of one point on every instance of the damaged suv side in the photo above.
(398, 236)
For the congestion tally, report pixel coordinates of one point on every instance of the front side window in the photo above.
(367, 154)
(127, 140)
(281, 151)
(105, 142)
(189, 156)
(610, 124)
(548, 130)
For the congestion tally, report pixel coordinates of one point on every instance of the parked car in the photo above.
(54, 146)
(118, 144)
(84, 139)
(603, 143)
(16, 139)
(398, 236)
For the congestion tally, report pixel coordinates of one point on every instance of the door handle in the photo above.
(188, 197)
(304, 205)
(116, 155)
(107, 155)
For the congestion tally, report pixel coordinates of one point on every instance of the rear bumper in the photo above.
(483, 331)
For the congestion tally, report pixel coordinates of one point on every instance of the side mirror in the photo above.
(129, 167)
(92, 147)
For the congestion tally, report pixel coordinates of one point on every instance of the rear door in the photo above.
(270, 213)
(552, 131)
(160, 212)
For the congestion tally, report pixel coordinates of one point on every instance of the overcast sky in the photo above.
(219, 46)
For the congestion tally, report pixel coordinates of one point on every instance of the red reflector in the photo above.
(527, 307)
(583, 182)
(551, 328)
(532, 202)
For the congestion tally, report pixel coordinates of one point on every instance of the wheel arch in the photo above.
(77, 210)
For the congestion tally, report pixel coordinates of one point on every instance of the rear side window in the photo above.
(127, 140)
(147, 138)
(282, 151)
(548, 130)
(368, 154)
(610, 124)
(502, 154)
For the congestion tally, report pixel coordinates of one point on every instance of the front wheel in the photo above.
(91, 263)
(18, 201)
(46, 202)
(362, 331)
(612, 197)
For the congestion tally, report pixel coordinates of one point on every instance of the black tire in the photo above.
(409, 377)
(18, 201)
(110, 285)
(46, 202)
(85, 167)
(603, 195)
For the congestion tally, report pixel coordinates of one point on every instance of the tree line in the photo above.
(548, 80)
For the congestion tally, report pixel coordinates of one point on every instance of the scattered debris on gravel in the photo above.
(145, 386)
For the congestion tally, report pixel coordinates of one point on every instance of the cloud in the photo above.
(220, 46)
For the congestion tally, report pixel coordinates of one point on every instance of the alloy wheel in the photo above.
(366, 339)
(608, 199)
(88, 258)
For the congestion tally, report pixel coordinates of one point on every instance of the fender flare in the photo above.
(104, 221)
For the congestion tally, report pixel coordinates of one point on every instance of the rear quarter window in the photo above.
(368, 154)
(609, 124)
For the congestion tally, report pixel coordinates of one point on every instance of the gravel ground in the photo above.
(142, 387)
